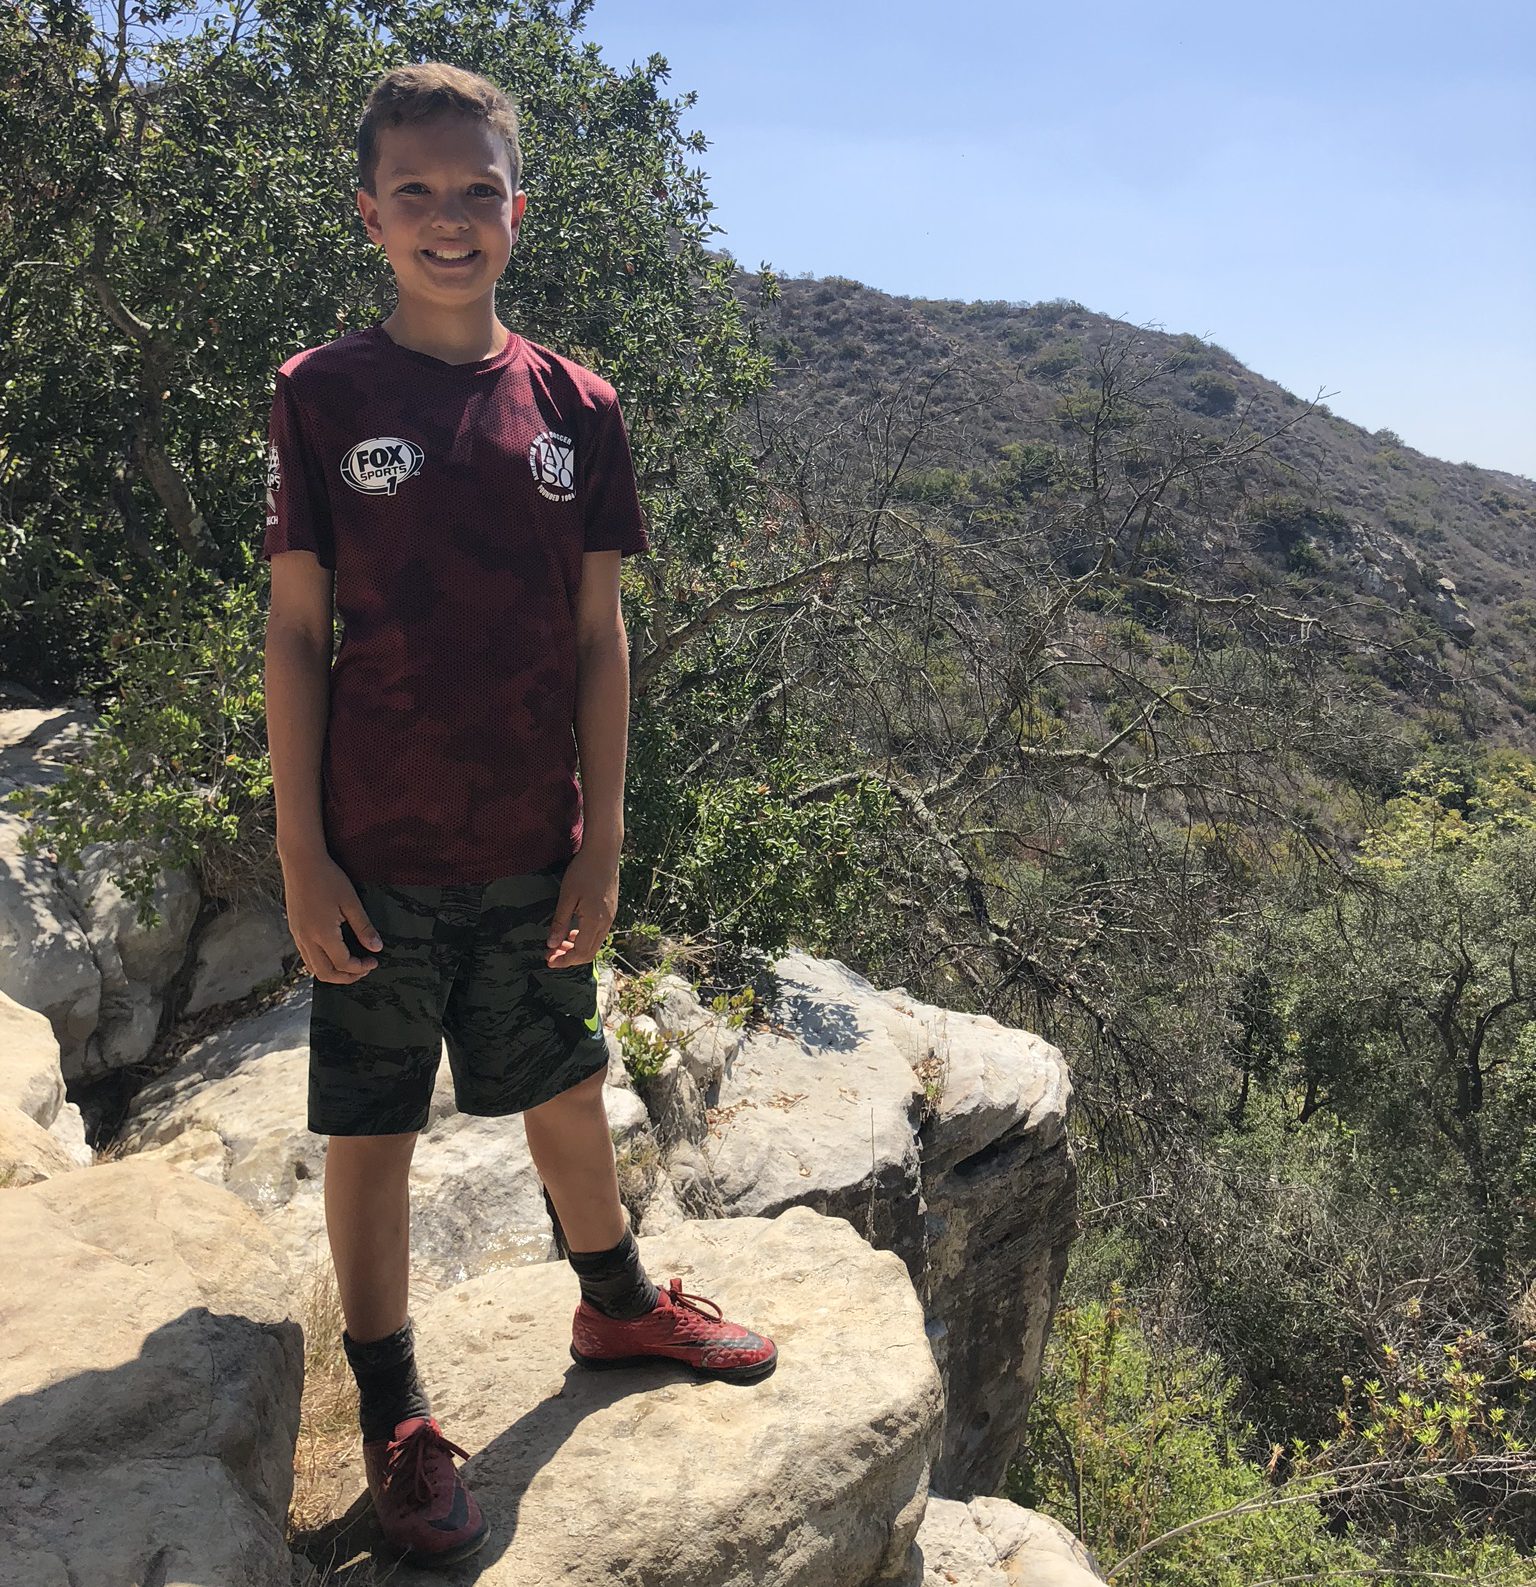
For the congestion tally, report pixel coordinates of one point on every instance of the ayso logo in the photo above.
(552, 457)
(379, 467)
(274, 482)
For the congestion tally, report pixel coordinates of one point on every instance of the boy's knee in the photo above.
(370, 1153)
(579, 1095)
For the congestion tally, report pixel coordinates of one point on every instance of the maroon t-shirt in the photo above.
(455, 503)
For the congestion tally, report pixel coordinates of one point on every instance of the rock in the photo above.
(68, 1130)
(992, 1543)
(30, 1078)
(827, 1119)
(1000, 1213)
(706, 1043)
(938, 1135)
(130, 1021)
(675, 1106)
(28, 1153)
(176, 1522)
(149, 1389)
(147, 955)
(45, 960)
(233, 1111)
(239, 950)
(1384, 564)
(814, 1475)
(38, 741)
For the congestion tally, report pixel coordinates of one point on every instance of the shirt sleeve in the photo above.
(610, 503)
(298, 507)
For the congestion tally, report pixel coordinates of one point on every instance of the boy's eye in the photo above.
(483, 188)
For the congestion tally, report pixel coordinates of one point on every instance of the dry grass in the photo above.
(637, 1164)
(328, 1432)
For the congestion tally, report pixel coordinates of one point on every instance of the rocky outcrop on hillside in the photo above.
(938, 1135)
(889, 1179)
(1382, 563)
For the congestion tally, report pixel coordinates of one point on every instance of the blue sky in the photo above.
(1343, 196)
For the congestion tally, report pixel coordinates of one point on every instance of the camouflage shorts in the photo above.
(461, 965)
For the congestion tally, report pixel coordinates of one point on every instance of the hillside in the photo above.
(1380, 519)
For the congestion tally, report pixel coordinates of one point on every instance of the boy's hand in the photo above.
(590, 893)
(322, 901)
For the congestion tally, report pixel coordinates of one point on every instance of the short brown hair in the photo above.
(433, 88)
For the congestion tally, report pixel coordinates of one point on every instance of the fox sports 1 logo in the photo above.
(379, 467)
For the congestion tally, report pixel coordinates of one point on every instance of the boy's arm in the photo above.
(298, 683)
(300, 545)
(613, 528)
(602, 703)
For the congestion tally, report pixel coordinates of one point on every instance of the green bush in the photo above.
(1057, 360)
(1134, 1441)
(1213, 394)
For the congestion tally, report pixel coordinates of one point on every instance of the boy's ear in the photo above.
(368, 208)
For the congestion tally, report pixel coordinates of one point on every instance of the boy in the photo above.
(464, 497)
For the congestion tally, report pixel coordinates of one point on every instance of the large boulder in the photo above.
(41, 1134)
(45, 960)
(71, 944)
(233, 1111)
(814, 1475)
(938, 1135)
(992, 1543)
(28, 1152)
(30, 1077)
(149, 1385)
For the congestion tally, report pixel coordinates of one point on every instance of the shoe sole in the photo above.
(747, 1374)
(452, 1556)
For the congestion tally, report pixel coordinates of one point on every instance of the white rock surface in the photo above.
(149, 955)
(28, 1152)
(972, 1186)
(813, 1476)
(239, 950)
(992, 1543)
(30, 1078)
(68, 1130)
(45, 959)
(149, 1383)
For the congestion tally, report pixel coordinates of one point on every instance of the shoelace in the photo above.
(412, 1452)
(680, 1299)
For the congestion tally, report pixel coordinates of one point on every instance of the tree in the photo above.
(187, 223)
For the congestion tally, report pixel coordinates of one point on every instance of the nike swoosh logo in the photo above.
(458, 1517)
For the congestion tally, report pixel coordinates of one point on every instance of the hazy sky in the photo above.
(1341, 195)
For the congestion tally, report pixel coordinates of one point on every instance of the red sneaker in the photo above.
(679, 1329)
(425, 1511)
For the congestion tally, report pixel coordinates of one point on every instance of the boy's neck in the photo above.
(456, 337)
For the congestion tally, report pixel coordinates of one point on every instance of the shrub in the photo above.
(1057, 360)
(1213, 394)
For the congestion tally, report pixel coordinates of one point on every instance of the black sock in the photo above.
(389, 1392)
(554, 1217)
(614, 1281)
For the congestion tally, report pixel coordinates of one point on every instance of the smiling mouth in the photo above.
(463, 259)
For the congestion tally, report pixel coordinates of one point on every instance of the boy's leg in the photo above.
(572, 1148)
(368, 1223)
(367, 1219)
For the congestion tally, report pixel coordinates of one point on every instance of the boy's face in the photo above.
(444, 186)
